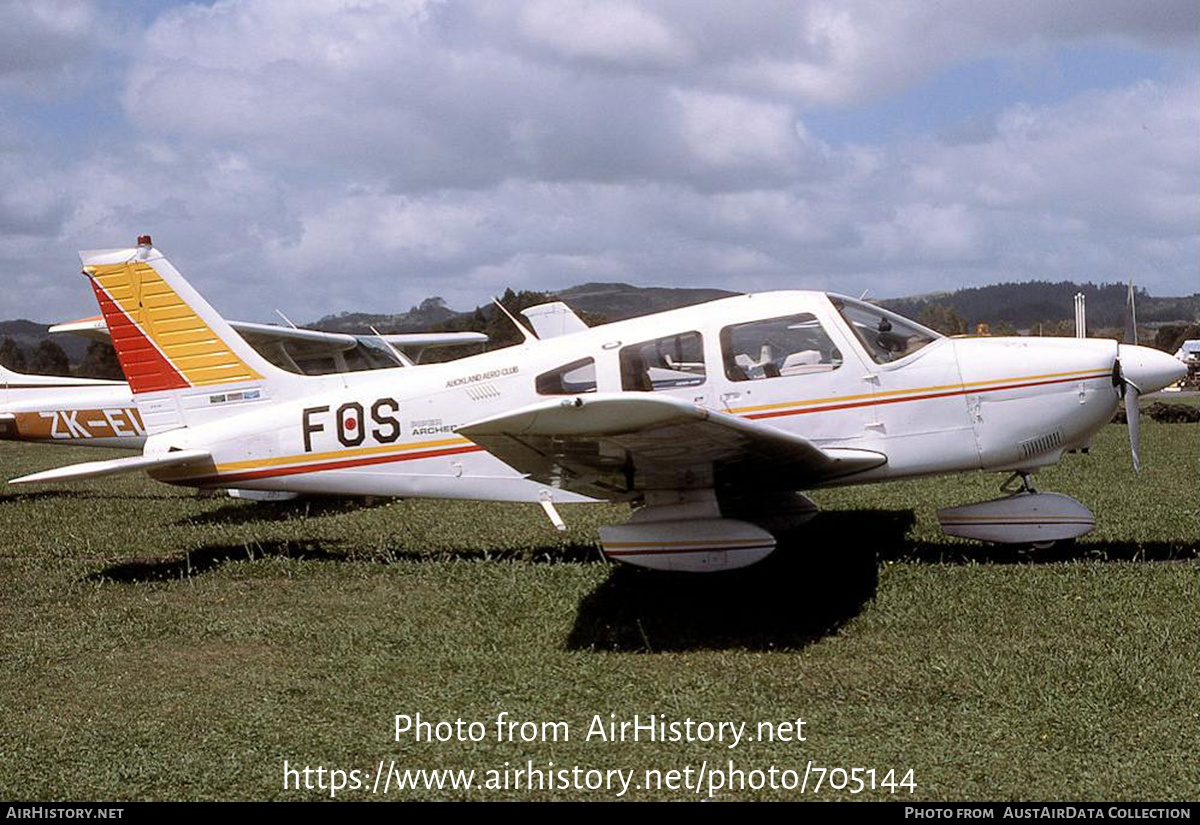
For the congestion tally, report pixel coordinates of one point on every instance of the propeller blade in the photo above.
(1131, 419)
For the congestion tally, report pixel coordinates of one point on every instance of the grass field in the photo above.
(157, 644)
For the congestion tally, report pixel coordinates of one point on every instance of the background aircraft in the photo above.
(61, 410)
(709, 418)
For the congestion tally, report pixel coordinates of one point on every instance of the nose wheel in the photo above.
(1020, 483)
(1023, 517)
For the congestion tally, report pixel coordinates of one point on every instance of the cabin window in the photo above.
(663, 364)
(570, 379)
(778, 347)
(884, 335)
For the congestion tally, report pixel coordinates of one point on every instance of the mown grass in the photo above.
(157, 644)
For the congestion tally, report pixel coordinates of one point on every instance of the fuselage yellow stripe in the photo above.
(338, 455)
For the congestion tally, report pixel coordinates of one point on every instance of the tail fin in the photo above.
(184, 362)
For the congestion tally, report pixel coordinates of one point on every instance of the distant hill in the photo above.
(615, 302)
(28, 334)
(431, 312)
(1024, 305)
(1019, 305)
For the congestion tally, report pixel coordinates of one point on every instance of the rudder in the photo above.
(184, 362)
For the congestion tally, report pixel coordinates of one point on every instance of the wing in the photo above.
(616, 445)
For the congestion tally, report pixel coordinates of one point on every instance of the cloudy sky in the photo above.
(336, 155)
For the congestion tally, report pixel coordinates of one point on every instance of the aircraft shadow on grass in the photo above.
(23, 497)
(242, 512)
(801, 593)
(210, 557)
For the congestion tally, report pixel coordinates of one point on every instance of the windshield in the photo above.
(885, 335)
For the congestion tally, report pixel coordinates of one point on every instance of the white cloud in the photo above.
(722, 130)
(41, 37)
(344, 155)
(623, 34)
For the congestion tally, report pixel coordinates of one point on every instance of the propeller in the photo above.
(1132, 416)
(1132, 421)
(1137, 371)
(1130, 392)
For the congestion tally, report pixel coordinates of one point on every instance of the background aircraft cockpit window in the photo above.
(371, 354)
(792, 345)
(663, 364)
(886, 336)
(576, 377)
(305, 358)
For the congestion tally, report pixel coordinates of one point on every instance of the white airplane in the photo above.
(709, 419)
(59, 410)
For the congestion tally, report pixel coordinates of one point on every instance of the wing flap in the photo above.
(614, 445)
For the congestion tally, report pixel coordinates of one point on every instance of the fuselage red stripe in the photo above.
(331, 465)
(873, 402)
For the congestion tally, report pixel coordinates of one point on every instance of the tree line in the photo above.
(48, 358)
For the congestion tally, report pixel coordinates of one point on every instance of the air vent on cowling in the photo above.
(1041, 444)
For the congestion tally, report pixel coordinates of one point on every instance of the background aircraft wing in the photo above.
(312, 351)
(93, 328)
(615, 445)
(433, 339)
(260, 335)
(256, 334)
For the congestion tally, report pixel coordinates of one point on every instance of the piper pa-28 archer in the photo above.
(709, 419)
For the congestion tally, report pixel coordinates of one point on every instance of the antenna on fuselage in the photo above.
(286, 319)
(529, 336)
(863, 297)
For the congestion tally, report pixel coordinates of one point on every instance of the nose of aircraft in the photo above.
(1149, 369)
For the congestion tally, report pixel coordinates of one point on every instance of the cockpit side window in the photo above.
(569, 379)
(886, 336)
(663, 364)
(777, 347)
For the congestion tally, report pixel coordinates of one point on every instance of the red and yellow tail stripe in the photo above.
(160, 340)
